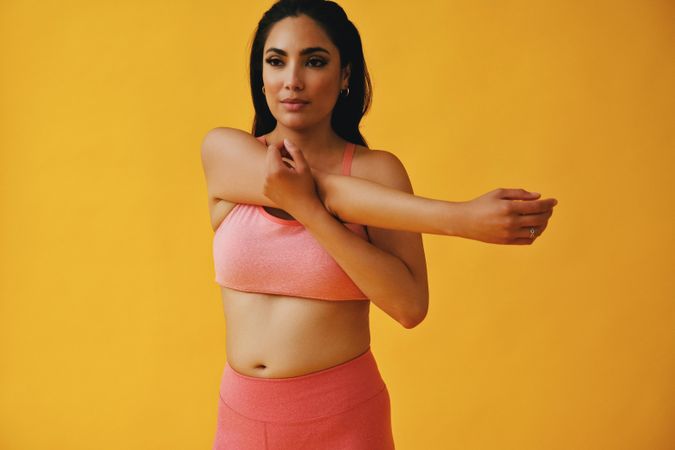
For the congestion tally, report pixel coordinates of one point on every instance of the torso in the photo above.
(273, 336)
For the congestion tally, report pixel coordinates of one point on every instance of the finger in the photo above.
(534, 207)
(289, 162)
(533, 220)
(517, 194)
(296, 154)
(282, 150)
(278, 145)
(284, 156)
(541, 228)
(521, 241)
(525, 232)
(274, 162)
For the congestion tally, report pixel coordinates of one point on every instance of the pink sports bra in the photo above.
(255, 251)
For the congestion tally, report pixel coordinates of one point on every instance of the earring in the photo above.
(263, 89)
(342, 92)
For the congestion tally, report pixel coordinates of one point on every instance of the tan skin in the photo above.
(273, 336)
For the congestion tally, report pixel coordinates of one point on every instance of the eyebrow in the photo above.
(303, 52)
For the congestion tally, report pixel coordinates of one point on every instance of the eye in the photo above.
(318, 60)
(314, 62)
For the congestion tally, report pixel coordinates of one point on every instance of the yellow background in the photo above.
(112, 333)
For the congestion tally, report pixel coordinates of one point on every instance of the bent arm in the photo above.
(234, 166)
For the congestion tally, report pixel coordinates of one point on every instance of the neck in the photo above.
(316, 143)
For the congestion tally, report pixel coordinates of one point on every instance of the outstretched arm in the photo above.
(497, 217)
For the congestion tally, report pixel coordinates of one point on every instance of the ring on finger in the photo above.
(532, 231)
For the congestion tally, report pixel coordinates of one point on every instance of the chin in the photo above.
(298, 123)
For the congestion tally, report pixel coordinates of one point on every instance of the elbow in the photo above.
(411, 322)
(416, 316)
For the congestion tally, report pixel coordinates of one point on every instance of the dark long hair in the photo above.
(349, 110)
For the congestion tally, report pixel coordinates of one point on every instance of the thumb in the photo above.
(518, 194)
(296, 155)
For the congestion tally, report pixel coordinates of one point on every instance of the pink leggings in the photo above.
(343, 407)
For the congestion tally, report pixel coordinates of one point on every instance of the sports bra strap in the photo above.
(347, 159)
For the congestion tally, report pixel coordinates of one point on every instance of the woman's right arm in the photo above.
(234, 164)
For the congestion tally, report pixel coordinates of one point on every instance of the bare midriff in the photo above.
(273, 336)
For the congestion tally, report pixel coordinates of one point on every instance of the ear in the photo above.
(346, 72)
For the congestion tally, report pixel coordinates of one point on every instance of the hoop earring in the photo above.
(263, 89)
(342, 92)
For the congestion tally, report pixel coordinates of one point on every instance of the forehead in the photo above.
(295, 33)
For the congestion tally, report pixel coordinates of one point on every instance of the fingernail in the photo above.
(555, 202)
(534, 193)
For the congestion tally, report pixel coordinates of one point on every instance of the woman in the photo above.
(298, 269)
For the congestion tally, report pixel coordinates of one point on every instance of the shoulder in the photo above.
(216, 136)
(219, 139)
(382, 167)
(214, 139)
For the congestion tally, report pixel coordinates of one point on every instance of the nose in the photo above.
(294, 81)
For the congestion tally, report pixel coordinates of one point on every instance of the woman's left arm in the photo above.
(391, 270)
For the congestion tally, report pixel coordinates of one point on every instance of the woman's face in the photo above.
(301, 62)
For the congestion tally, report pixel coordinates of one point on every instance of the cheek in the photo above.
(272, 79)
(271, 82)
(326, 83)
(324, 90)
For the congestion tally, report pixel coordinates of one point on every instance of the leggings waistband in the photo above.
(311, 396)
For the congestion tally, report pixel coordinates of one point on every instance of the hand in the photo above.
(289, 182)
(505, 216)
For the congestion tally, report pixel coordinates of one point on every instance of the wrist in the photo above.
(455, 218)
(321, 180)
(310, 211)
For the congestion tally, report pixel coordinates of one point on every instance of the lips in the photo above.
(294, 106)
(294, 100)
